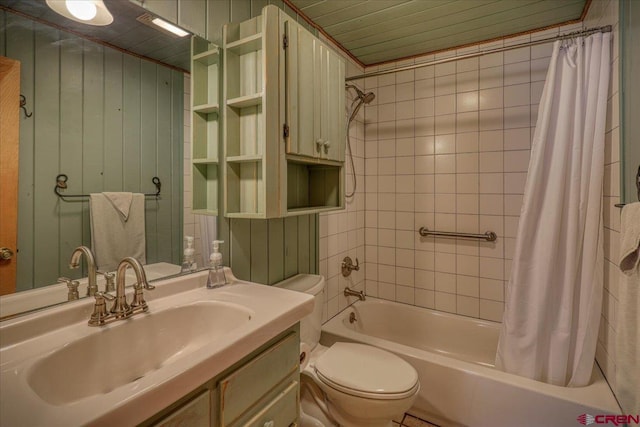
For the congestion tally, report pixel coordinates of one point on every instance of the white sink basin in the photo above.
(128, 350)
(53, 366)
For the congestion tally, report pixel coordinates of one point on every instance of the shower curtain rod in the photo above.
(605, 29)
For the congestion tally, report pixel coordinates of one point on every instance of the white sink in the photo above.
(53, 366)
(126, 352)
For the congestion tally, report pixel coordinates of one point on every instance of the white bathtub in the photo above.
(454, 358)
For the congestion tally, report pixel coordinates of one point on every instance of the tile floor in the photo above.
(411, 421)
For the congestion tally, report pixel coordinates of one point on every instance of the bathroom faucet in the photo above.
(348, 292)
(74, 262)
(121, 309)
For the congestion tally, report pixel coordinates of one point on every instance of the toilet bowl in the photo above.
(347, 384)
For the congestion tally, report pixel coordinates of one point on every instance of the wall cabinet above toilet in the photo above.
(283, 125)
(314, 95)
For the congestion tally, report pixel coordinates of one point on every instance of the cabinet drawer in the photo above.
(281, 411)
(195, 413)
(243, 388)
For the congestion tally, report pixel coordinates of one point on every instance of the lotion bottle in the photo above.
(216, 270)
(188, 261)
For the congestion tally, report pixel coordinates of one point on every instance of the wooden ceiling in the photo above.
(376, 31)
(372, 31)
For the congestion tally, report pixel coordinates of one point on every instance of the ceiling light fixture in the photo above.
(83, 10)
(91, 12)
(169, 27)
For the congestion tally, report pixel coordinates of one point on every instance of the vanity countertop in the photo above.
(29, 344)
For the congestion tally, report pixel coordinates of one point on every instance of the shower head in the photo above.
(365, 97)
(362, 98)
(368, 97)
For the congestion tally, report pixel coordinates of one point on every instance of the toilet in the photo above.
(347, 384)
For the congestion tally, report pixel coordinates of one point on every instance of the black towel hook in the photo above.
(23, 105)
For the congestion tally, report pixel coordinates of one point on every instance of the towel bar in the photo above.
(61, 184)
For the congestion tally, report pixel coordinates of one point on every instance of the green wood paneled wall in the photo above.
(270, 250)
(263, 251)
(108, 120)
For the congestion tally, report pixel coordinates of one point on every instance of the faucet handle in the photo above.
(348, 266)
(72, 285)
(110, 277)
(100, 314)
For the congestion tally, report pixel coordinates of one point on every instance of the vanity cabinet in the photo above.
(196, 412)
(283, 120)
(260, 390)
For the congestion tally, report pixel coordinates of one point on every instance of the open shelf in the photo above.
(208, 57)
(205, 212)
(206, 161)
(244, 159)
(206, 108)
(313, 187)
(246, 45)
(245, 101)
(245, 189)
(204, 131)
(205, 125)
(205, 75)
(244, 131)
(238, 33)
(205, 187)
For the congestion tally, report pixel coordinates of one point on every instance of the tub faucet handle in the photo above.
(348, 266)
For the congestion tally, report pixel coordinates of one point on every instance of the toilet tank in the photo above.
(310, 326)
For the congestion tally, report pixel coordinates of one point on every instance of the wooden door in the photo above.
(9, 139)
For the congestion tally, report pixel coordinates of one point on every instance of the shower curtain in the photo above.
(554, 296)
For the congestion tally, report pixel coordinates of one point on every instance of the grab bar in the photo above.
(622, 205)
(489, 236)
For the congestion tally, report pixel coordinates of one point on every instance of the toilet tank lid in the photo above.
(307, 283)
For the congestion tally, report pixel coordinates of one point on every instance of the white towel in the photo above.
(121, 201)
(628, 315)
(114, 236)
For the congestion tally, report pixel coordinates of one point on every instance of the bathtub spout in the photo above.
(350, 292)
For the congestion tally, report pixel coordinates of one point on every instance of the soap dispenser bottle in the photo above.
(216, 270)
(188, 261)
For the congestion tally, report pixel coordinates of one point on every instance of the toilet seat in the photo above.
(365, 371)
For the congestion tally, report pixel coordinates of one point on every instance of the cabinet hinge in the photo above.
(285, 131)
(285, 41)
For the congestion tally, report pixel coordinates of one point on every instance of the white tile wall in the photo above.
(342, 233)
(447, 147)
